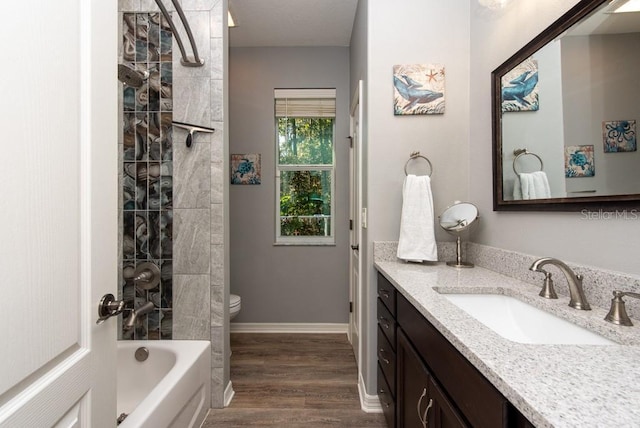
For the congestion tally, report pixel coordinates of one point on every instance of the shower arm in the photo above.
(197, 61)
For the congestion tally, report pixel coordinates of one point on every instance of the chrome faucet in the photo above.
(578, 299)
(143, 309)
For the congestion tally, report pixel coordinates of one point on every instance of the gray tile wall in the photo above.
(199, 284)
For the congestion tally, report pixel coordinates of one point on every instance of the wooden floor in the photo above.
(293, 380)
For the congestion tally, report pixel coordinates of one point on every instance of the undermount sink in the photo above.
(520, 322)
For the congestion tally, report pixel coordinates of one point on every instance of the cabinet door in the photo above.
(413, 400)
(443, 414)
(420, 401)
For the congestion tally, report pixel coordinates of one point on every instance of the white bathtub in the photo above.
(172, 388)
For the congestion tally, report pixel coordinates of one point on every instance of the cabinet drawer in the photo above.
(387, 293)
(479, 401)
(387, 323)
(387, 360)
(386, 399)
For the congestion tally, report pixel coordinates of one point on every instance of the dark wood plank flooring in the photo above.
(293, 380)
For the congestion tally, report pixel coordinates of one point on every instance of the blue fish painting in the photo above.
(419, 89)
(520, 88)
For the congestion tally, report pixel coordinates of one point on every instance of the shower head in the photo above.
(131, 77)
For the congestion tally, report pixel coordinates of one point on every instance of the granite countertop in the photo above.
(552, 385)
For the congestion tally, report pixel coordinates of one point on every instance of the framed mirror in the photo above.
(566, 109)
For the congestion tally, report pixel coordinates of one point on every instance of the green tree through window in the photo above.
(305, 160)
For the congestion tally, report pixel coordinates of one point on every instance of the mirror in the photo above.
(457, 219)
(565, 112)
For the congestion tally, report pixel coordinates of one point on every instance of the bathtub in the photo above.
(172, 388)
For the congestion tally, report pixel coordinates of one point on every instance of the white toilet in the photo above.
(234, 306)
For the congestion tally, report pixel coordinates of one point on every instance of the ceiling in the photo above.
(278, 23)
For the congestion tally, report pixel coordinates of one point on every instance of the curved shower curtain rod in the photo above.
(196, 61)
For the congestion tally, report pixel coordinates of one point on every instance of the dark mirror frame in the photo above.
(606, 203)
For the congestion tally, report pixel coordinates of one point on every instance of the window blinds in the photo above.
(305, 102)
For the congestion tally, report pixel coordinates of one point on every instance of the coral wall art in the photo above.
(418, 89)
(245, 169)
(619, 136)
(578, 161)
(520, 87)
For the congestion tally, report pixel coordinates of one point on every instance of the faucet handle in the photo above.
(548, 292)
(618, 312)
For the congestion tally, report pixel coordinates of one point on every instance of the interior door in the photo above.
(58, 221)
(355, 207)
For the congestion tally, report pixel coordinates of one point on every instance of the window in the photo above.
(305, 172)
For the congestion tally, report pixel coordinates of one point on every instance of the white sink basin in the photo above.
(521, 322)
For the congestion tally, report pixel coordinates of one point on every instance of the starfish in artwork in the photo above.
(432, 75)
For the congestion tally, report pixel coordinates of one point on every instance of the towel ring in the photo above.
(416, 155)
(524, 152)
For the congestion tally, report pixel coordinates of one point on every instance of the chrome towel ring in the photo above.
(524, 152)
(416, 155)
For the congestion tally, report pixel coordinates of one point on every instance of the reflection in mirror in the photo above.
(457, 219)
(564, 114)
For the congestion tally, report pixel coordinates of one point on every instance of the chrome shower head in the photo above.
(131, 77)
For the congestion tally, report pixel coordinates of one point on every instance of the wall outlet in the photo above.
(363, 218)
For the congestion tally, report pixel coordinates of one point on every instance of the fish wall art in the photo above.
(520, 87)
(418, 89)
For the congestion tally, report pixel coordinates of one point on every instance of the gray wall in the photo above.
(424, 35)
(602, 62)
(285, 284)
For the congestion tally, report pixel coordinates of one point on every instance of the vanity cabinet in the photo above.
(429, 373)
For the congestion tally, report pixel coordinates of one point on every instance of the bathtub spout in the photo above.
(130, 322)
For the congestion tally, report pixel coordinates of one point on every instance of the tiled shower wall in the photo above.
(147, 162)
(199, 279)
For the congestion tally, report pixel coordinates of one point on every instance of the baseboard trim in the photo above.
(228, 394)
(368, 403)
(248, 327)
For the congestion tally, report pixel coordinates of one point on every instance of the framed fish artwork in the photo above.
(520, 87)
(418, 89)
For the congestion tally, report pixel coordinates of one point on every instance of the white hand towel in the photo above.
(533, 185)
(417, 236)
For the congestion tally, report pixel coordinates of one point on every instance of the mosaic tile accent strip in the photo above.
(147, 184)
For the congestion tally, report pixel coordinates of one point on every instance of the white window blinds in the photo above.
(305, 102)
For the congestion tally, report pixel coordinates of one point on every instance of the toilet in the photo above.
(234, 306)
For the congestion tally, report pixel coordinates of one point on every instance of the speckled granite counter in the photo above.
(552, 385)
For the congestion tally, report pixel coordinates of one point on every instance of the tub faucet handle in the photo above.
(109, 307)
(618, 312)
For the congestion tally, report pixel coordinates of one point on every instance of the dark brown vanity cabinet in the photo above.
(423, 381)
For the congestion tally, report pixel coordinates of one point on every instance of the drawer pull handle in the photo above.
(385, 293)
(423, 419)
(384, 322)
(382, 392)
(381, 355)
